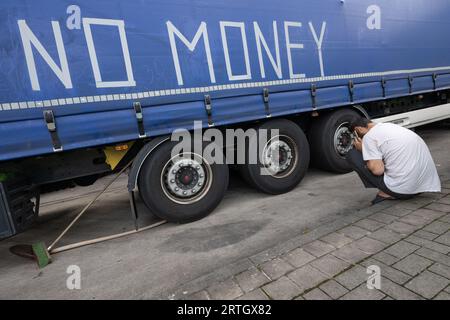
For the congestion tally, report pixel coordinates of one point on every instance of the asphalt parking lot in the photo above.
(160, 262)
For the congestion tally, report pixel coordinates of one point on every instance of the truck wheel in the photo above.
(181, 189)
(330, 140)
(22, 200)
(86, 181)
(282, 160)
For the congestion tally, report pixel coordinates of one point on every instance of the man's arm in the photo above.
(376, 167)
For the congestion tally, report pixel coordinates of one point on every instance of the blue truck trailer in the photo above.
(87, 86)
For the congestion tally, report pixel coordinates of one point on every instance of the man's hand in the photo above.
(357, 143)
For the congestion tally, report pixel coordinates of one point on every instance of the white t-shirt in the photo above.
(409, 167)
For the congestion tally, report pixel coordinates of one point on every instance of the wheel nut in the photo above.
(199, 184)
(177, 189)
(172, 181)
(197, 167)
(184, 192)
(194, 191)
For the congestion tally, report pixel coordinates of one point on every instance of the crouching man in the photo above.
(392, 159)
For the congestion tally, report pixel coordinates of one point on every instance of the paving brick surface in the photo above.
(413, 264)
(333, 289)
(316, 294)
(434, 256)
(282, 289)
(433, 245)
(251, 279)
(369, 245)
(408, 240)
(441, 207)
(276, 268)
(352, 278)
(427, 284)
(402, 228)
(444, 200)
(442, 296)
(350, 253)
(298, 257)
(397, 211)
(354, 232)
(440, 269)
(386, 235)
(430, 215)
(425, 235)
(369, 224)
(330, 265)
(415, 220)
(383, 217)
(201, 295)
(226, 290)
(444, 239)
(363, 293)
(392, 274)
(386, 258)
(437, 227)
(307, 277)
(318, 248)
(336, 239)
(445, 219)
(402, 249)
(257, 294)
(396, 291)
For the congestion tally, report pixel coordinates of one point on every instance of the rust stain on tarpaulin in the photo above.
(214, 237)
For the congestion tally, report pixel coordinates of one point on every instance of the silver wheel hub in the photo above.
(343, 140)
(185, 178)
(277, 156)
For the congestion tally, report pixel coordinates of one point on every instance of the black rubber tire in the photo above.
(269, 184)
(19, 194)
(321, 139)
(151, 192)
(86, 181)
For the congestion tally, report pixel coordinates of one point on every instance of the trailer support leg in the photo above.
(134, 211)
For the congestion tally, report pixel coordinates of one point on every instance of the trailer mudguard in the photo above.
(140, 158)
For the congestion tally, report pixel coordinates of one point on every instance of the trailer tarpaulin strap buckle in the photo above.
(49, 118)
(351, 89)
(383, 86)
(140, 119)
(313, 96)
(434, 80)
(266, 102)
(410, 83)
(208, 108)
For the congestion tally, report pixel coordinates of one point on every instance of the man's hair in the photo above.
(359, 122)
